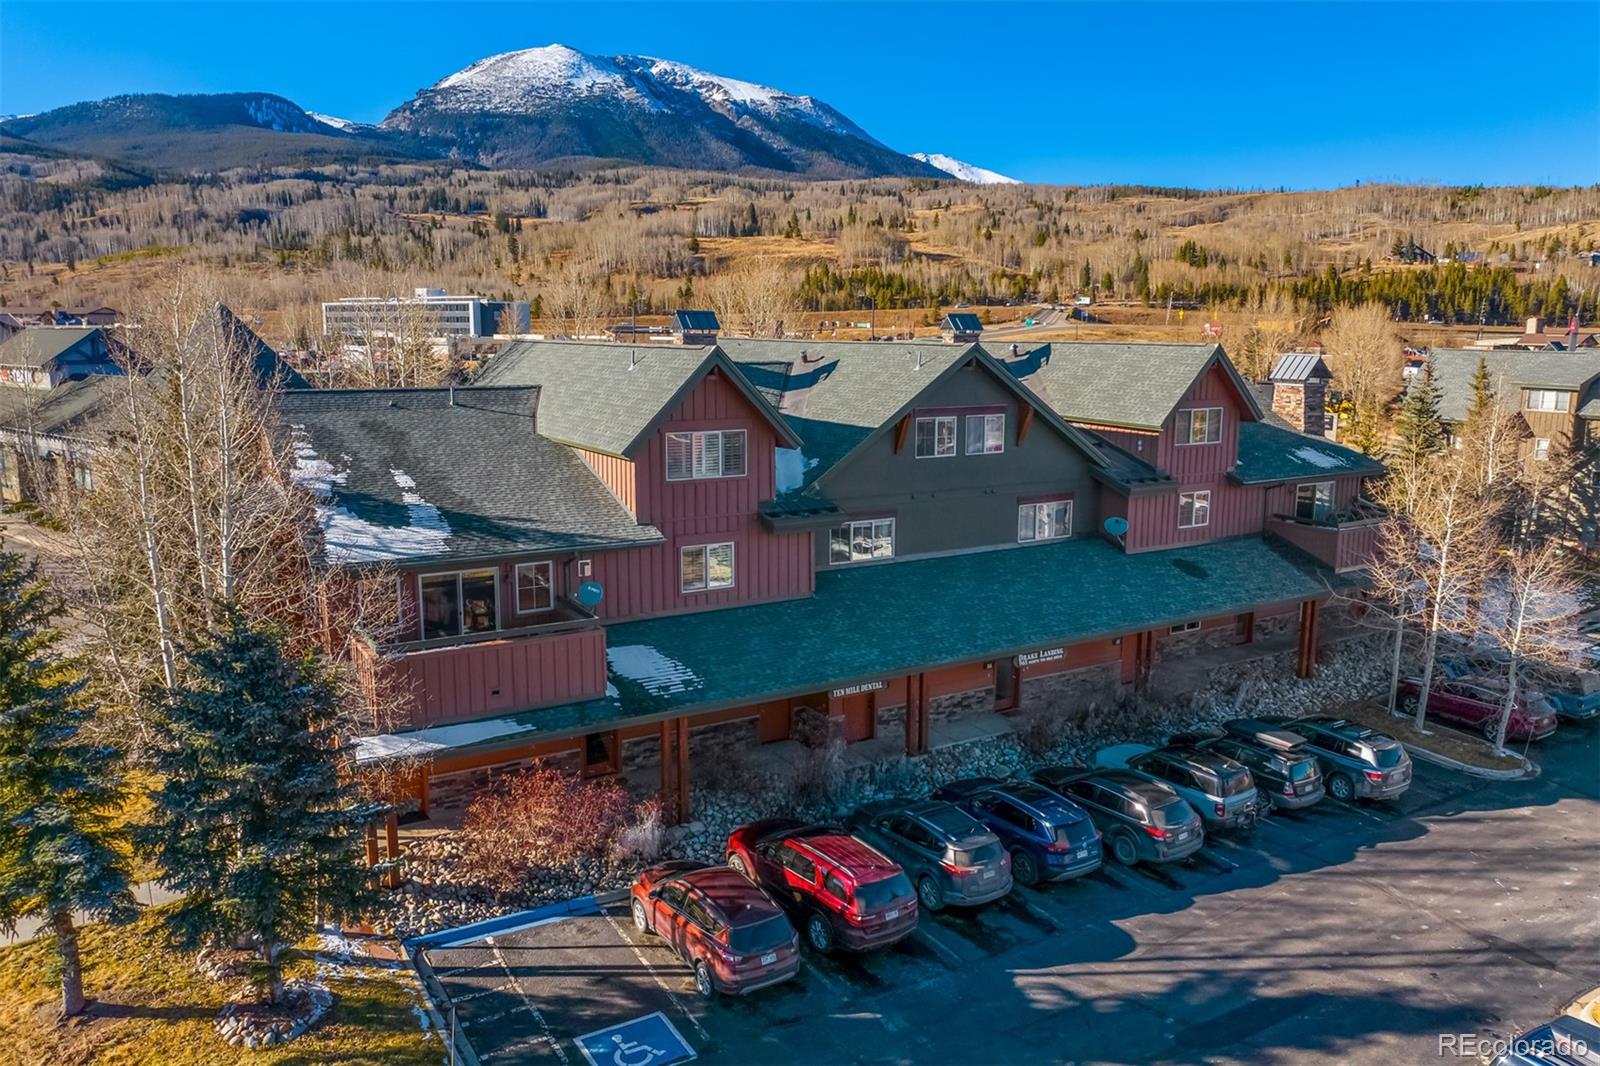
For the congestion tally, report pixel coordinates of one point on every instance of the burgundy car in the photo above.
(728, 930)
(840, 890)
(1468, 703)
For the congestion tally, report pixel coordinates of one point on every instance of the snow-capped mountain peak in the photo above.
(516, 82)
(335, 121)
(731, 93)
(963, 171)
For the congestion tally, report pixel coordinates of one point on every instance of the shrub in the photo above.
(641, 839)
(541, 818)
(820, 779)
(1040, 730)
(730, 774)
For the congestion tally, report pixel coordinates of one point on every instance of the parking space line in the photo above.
(527, 1001)
(671, 995)
(468, 996)
(946, 953)
(1226, 864)
(1038, 913)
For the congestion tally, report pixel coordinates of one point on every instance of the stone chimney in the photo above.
(1300, 390)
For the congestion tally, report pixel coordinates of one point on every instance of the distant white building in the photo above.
(453, 316)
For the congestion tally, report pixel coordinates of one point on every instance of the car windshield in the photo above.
(876, 894)
(1236, 783)
(769, 933)
(1389, 755)
(1170, 814)
(1302, 770)
(981, 855)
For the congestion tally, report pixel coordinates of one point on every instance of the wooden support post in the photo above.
(1306, 657)
(1247, 628)
(391, 833)
(372, 844)
(669, 772)
(682, 750)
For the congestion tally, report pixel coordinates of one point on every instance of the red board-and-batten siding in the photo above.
(472, 680)
(643, 582)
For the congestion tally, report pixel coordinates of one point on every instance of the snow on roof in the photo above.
(1319, 458)
(351, 539)
(792, 467)
(658, 674)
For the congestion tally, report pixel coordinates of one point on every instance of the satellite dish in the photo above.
(589, 595)
(1116, 525)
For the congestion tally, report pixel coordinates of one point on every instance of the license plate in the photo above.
(890, 916)
(1183, 836)
(988, 875)
(769, 958)
(1083, 853)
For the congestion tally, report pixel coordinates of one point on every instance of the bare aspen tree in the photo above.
(1528, 609)
(1365, 355)
(755, 299)
(1397, 599)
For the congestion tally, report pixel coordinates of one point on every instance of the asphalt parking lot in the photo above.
(1338, 934)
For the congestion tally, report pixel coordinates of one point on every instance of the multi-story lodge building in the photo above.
(610, 556)
(450, 317)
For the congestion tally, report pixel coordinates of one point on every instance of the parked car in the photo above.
(1476, 704)
(1566, 1041)
(1357, 762)
(1141, 820)
(1285, 771)
(950, 856)
(1573, 693)
(840, 890)
(730, 932)
(1050, 838)
(1220, 789)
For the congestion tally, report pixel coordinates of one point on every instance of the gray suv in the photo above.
(1357, 762)
(1221, 790)
(1141, 820)
(949, 855)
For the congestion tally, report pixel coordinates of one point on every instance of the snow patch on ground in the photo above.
(792, 467)
(333, 120)
(1320, 459)
(659, 674)
(963, 171)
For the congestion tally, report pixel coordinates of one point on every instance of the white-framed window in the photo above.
(1184, 627)
(986, 434)
(1549, 400)
(854, 542)
(711, 453)
(1313, 501)
(1200, 425)
(705, 566)
(1541, 448)
(535, 587)
(936, 437)
(1050, 520)
(458, 603)
(1194, 509)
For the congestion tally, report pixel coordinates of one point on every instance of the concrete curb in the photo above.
(517, 920)
(1528, 771)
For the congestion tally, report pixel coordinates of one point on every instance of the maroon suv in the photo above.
(1468, 703)
(728, 930)
(839, 890)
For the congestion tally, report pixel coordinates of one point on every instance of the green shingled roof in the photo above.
(80, 407)
(1511, 371)
(1133, 385)
(1022, 599)
(606, 397)
(37, 345)
(1268, 453)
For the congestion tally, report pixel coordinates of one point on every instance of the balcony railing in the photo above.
(1341, 542)
(427, 682)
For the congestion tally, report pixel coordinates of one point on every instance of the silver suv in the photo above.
(1357, 762)
(1220, 789)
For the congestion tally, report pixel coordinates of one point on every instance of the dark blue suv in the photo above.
(1050, 837)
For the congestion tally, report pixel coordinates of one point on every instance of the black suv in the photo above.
(1357, 762)
(1286, 773)
(949, 855)
(1140, 819)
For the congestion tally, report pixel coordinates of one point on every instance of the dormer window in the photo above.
(986, 434)
(710, 454)
(1200, 425)
(1549, 400)
(936, 437)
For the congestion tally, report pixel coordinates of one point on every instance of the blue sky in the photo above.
(1254, 95)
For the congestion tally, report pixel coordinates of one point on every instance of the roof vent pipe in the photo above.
(452, 394)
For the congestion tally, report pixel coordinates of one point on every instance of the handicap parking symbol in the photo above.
(647, 1041)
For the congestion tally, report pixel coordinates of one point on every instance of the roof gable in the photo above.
(840, 395)
(609, 397)
(1510, 371)
(38, 346)
(1133, 385)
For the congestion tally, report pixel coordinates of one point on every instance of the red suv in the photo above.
(732, 934)
(1477, 706)
(841, 891)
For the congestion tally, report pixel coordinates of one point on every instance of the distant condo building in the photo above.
(452, 316)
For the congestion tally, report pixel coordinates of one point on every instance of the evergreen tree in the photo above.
(59, 849)
(253, 823)
(1418, 428)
